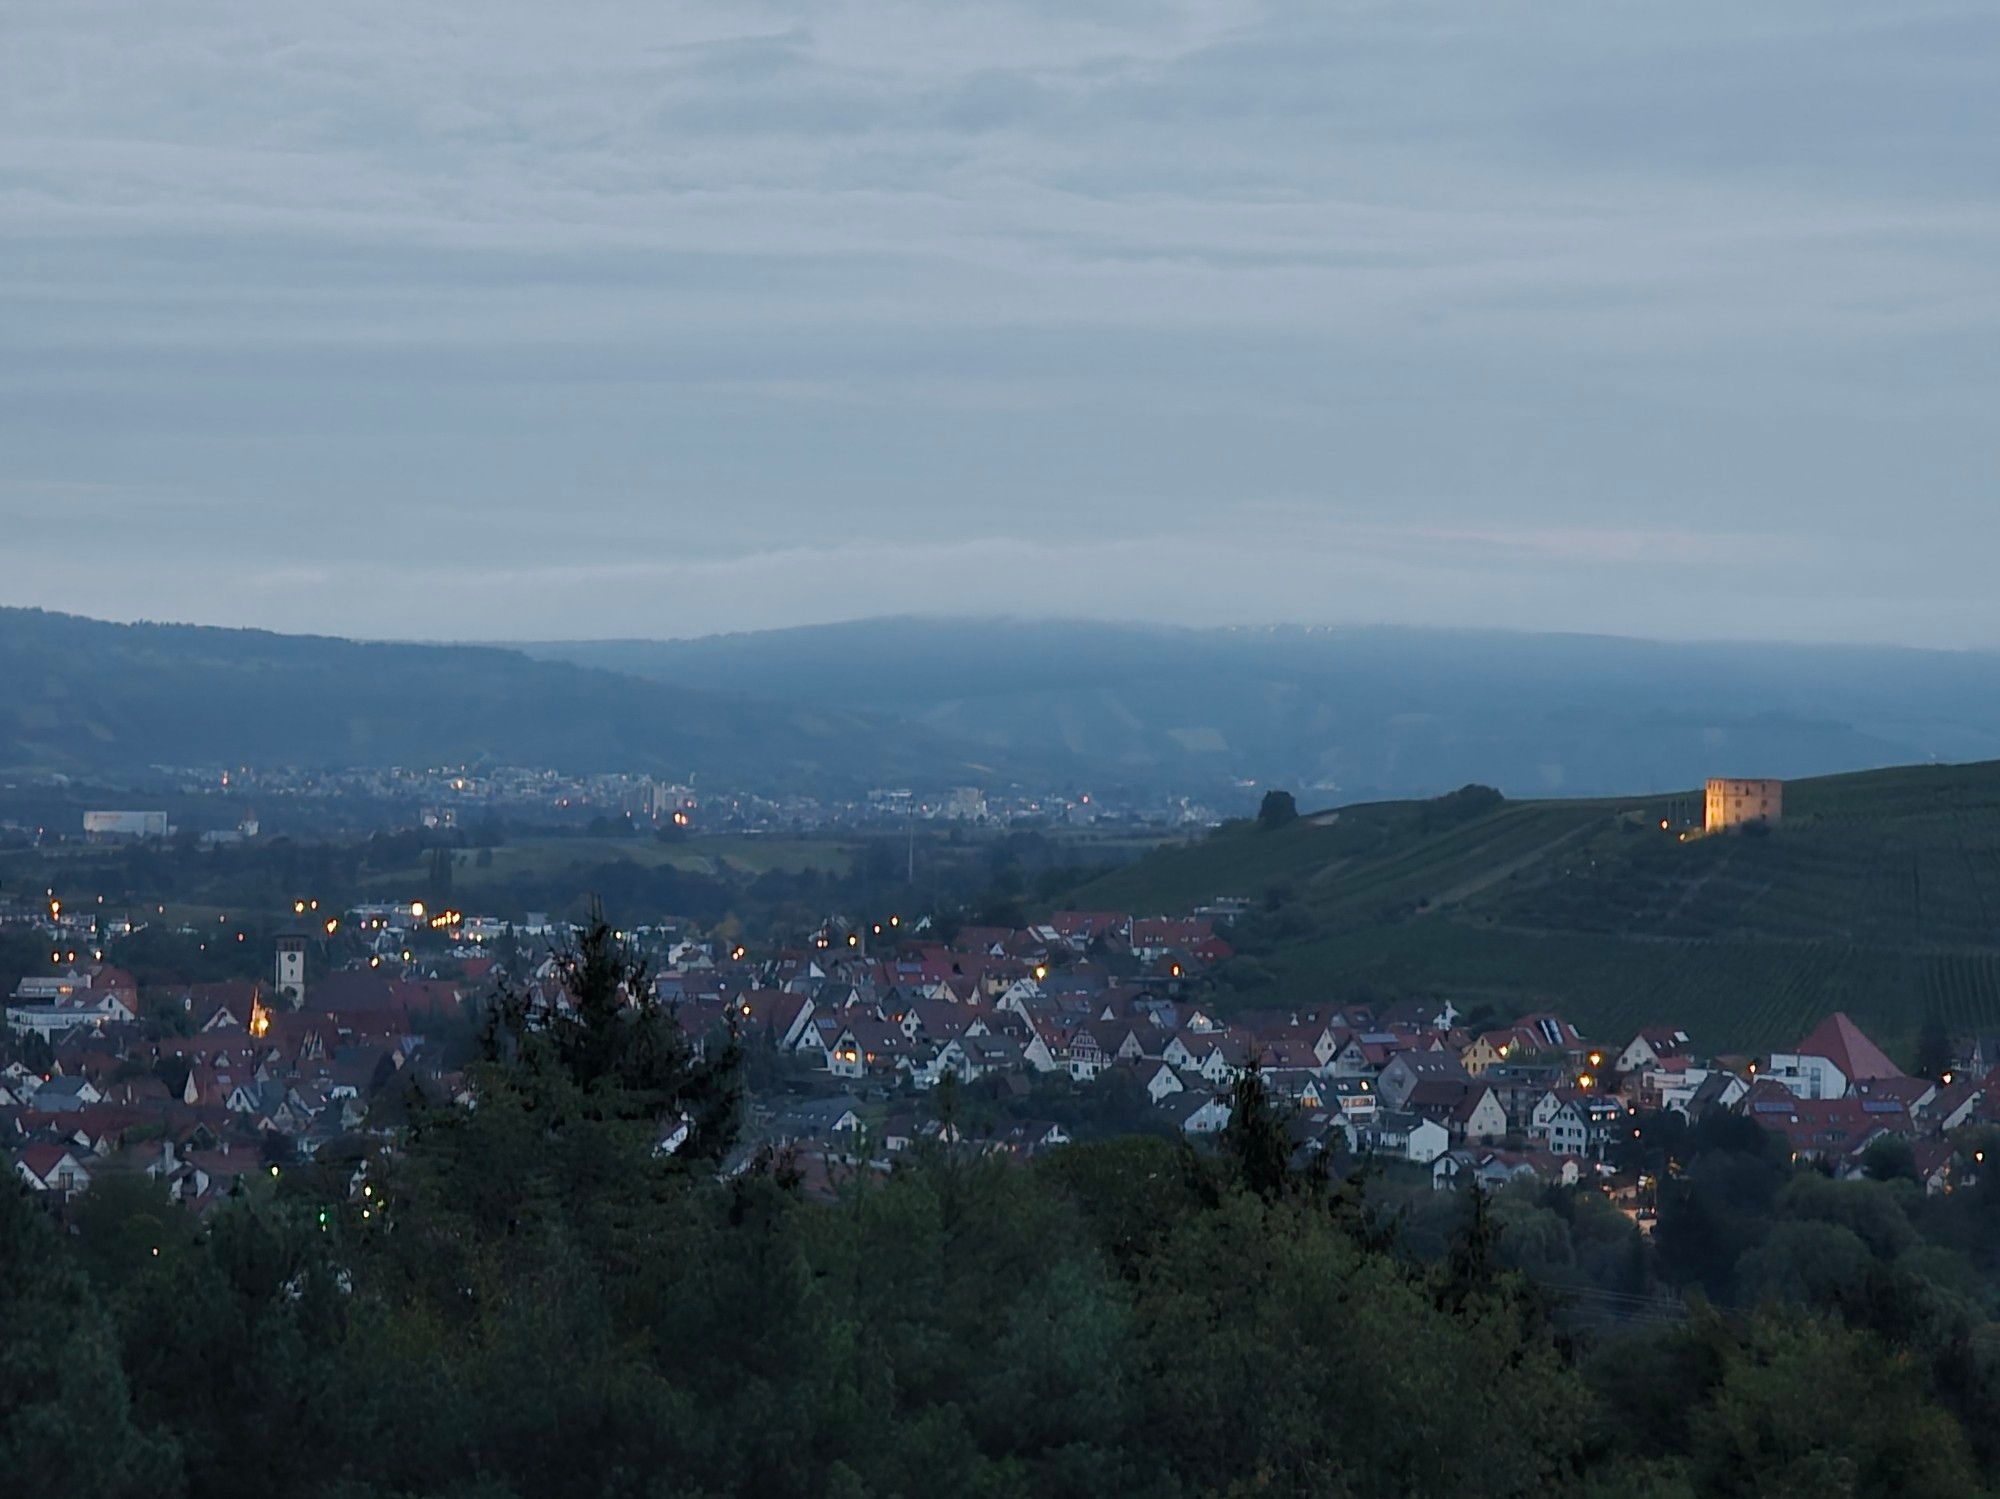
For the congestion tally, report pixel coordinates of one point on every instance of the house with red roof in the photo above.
(1654, 1046)
(1830, 1061)
(51, 1168)
(1830, 1129)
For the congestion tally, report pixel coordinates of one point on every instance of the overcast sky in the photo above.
(505, 319)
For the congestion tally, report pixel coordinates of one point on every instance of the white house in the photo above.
(673, 1135)
(1479, 1116)
(1650, 1048)
(1827, 1063)
(55, 1018)
(1353, 1096)
(1678, 1090)
(1408, 1137)
(1572, 1121)
(1163, 1083)
(1203, 1116)
(51, 1168)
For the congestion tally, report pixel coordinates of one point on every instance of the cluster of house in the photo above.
(235, 1085)
(248, 1075)
(1098, 995)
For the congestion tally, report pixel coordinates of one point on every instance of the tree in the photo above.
(1807, 1407)
(1889, 1158)
(1933, 1049)
(609, 1038)
(66, 1421)
(1276, 810)
(440, 877)
(123, 1223)
(1255, 1137)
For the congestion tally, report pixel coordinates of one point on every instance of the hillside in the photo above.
(1879, 894)
(85, 697)
(1358, 714)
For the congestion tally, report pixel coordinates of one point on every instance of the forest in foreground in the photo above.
(528, 1298)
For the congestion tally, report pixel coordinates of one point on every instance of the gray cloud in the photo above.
(416, 320)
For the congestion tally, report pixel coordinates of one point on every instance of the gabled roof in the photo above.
(43, 1160)
(1907, 1091)
(1932, 1156)
(1840, 1041)
(1437, 1096)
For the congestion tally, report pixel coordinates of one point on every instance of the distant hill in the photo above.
(81, 696)
(1359, 714)
(1878, 894)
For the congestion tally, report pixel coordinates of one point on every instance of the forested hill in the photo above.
(1363, 713)
(1879, 894)
(83, 696)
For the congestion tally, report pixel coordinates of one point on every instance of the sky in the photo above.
(505, 320)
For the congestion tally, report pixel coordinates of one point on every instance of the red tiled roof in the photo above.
(1840, 1041)
(42, 1159)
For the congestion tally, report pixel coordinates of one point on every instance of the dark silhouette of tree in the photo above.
(1276, 810)
(1256, 1139)
(66, 1420)
(1933, 1049)
(1889, 1159)
(440, 877)
(602, 1032)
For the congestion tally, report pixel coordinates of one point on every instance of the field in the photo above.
(1879, 894)
(540, 857)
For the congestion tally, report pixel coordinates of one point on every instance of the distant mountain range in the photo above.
(1340, 715)
(1354, 714)
(84, 697)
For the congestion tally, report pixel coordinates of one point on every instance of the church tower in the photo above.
(292, 968)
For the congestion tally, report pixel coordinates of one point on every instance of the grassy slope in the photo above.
(1880, 895)
(554, 857)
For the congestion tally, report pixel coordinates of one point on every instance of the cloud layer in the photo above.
(510, 319)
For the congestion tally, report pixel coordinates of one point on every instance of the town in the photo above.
(1024, 751)
(214, 805)
(866, 1039)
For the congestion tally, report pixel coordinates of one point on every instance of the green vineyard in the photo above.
(1878, 894)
